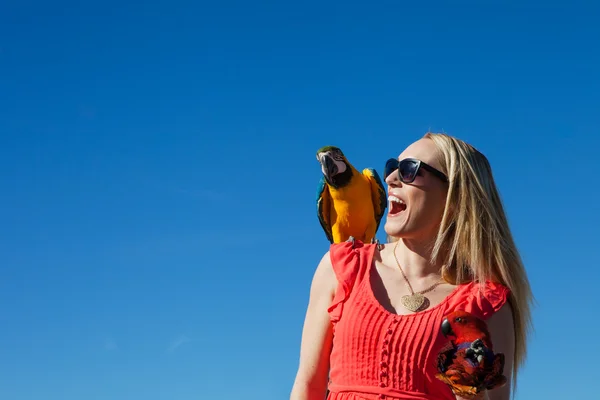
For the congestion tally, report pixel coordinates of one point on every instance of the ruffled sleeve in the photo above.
(481, 300)
(346, 262)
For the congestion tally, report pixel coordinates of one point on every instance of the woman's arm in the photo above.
(313, 370)
(502, 330)
(501, 327)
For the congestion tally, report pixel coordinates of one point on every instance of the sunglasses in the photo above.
(408, 169)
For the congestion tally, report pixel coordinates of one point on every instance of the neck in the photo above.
(415, 258)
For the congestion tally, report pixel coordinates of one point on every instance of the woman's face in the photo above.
(415, 209)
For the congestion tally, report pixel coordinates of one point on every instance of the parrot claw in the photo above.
(351, 240)
(376, 241)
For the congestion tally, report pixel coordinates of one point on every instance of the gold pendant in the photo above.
(413, 302)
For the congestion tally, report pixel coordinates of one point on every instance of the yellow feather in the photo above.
(352, 211)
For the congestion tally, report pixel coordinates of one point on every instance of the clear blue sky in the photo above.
(158, 231)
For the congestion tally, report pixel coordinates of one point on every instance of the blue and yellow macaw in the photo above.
(350, 204)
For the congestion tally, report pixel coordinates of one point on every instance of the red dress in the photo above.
(381, 355)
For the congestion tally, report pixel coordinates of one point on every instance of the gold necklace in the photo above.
(414, 301)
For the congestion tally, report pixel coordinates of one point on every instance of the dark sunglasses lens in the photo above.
(408, 170)
(390, 166)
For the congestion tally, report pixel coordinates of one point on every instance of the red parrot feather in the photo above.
(468, 364)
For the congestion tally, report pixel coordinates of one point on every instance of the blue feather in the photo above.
(321, 189)
(382, 196)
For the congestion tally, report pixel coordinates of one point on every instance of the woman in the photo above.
(372, 327)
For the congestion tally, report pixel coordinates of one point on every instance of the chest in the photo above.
(389, 287)
(388, 340)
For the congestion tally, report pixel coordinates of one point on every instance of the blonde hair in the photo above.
(474, 241)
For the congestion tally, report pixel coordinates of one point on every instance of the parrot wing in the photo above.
(457, 375)
(323, 206)
(377, 193)
(465, 376)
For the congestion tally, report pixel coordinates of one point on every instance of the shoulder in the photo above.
(338, 271)
(324, 280)
(503, 319)
(351, 260)
(344, 252)
(494, 298)
(484, 299)
(345, 260)
(334, 259)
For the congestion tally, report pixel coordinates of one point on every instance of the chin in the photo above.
(401, 230)
(394, 229)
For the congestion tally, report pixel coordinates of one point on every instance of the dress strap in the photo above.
(351, 262)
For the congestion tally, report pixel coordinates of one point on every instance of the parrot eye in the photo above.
(458, 319)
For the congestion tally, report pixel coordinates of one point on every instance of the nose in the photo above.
(392, 179)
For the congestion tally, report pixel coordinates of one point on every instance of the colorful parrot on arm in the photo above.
(350, 204)
(469, 365)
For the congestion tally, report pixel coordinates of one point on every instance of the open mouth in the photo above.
(396, 205)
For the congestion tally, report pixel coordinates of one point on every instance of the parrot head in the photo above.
(336, 168)
(461, 326)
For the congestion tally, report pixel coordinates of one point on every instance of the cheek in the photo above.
(437, 204)
(436, 200)
(427, 206)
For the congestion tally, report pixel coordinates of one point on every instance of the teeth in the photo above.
(395, 199)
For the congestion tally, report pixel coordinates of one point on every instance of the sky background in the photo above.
(158, 229)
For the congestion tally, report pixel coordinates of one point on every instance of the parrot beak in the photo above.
(446, 328)
(329, 167)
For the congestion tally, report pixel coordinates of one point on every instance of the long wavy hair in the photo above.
(474, 241)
